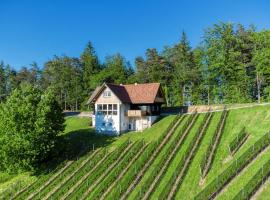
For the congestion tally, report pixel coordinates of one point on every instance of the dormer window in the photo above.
(107, 94)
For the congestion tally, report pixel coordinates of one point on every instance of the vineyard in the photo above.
(198, 156)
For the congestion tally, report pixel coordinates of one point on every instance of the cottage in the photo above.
(122, 108)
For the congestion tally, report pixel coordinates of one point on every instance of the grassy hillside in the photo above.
(147, 158)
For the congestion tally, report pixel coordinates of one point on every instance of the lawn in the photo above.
(79, 137)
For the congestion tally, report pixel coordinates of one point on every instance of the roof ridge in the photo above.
(141, 84)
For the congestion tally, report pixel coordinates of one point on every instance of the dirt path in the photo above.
(109, 169)
(149, 162)
(239, 107)
(188, 160)
(123, 173)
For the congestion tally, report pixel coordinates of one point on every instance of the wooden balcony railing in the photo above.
(136, 113)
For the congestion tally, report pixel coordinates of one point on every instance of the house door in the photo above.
(132, 125)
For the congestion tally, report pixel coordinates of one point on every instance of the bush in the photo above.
(29, 124)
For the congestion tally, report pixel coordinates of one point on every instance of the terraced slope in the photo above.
(164, 163)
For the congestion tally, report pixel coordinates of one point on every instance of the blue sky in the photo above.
(37, 30)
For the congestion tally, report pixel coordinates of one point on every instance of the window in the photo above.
(107, 94)
(110, 107)
(99, 107)
(107, 109)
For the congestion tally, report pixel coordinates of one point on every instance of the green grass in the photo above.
(79, 136)
(191, 182)
(265, 192)
(170, 172)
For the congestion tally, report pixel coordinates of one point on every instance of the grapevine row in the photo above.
(67, 174)
(238, 141)
(254, 183)
(45, 180)
(161, 143)
(209, 155)
(112, 176)
(181, 170)
(160, 169)
(86, 181)
(109, 169)
(141, 163)
(63, 183)
(211, 190)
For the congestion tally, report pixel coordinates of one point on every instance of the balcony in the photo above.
(136, 113)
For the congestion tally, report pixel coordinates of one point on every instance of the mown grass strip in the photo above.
(254, 183)
(109, 169)
(209, 155)
(139, 165)
(183, 166)
(86, 181)
(212, 189)
(153, 157)
(237, 142)
(66, 175)
(159, 170)
(47, 179)
(120, 176)
(58, 188)
(108, 179)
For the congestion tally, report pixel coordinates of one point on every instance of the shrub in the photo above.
(29, 124)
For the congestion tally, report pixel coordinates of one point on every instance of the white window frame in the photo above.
(103, 109)
(107, 94)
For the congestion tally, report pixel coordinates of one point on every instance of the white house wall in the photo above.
(108, 124)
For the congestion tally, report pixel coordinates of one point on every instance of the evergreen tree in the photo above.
(90, 67)
(2, 81)
(184, 72)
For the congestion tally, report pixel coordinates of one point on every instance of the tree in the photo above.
(2, 81)
(185, 74)
(261, 60)
(90, 67)
(228, 78)
(116, 70)
(29, 124)
(142, 74)
(64, 74)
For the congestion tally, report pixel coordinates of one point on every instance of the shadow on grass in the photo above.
(73, 146)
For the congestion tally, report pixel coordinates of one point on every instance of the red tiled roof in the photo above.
(132, 93)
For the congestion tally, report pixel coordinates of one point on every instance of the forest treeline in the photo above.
(230, 65)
